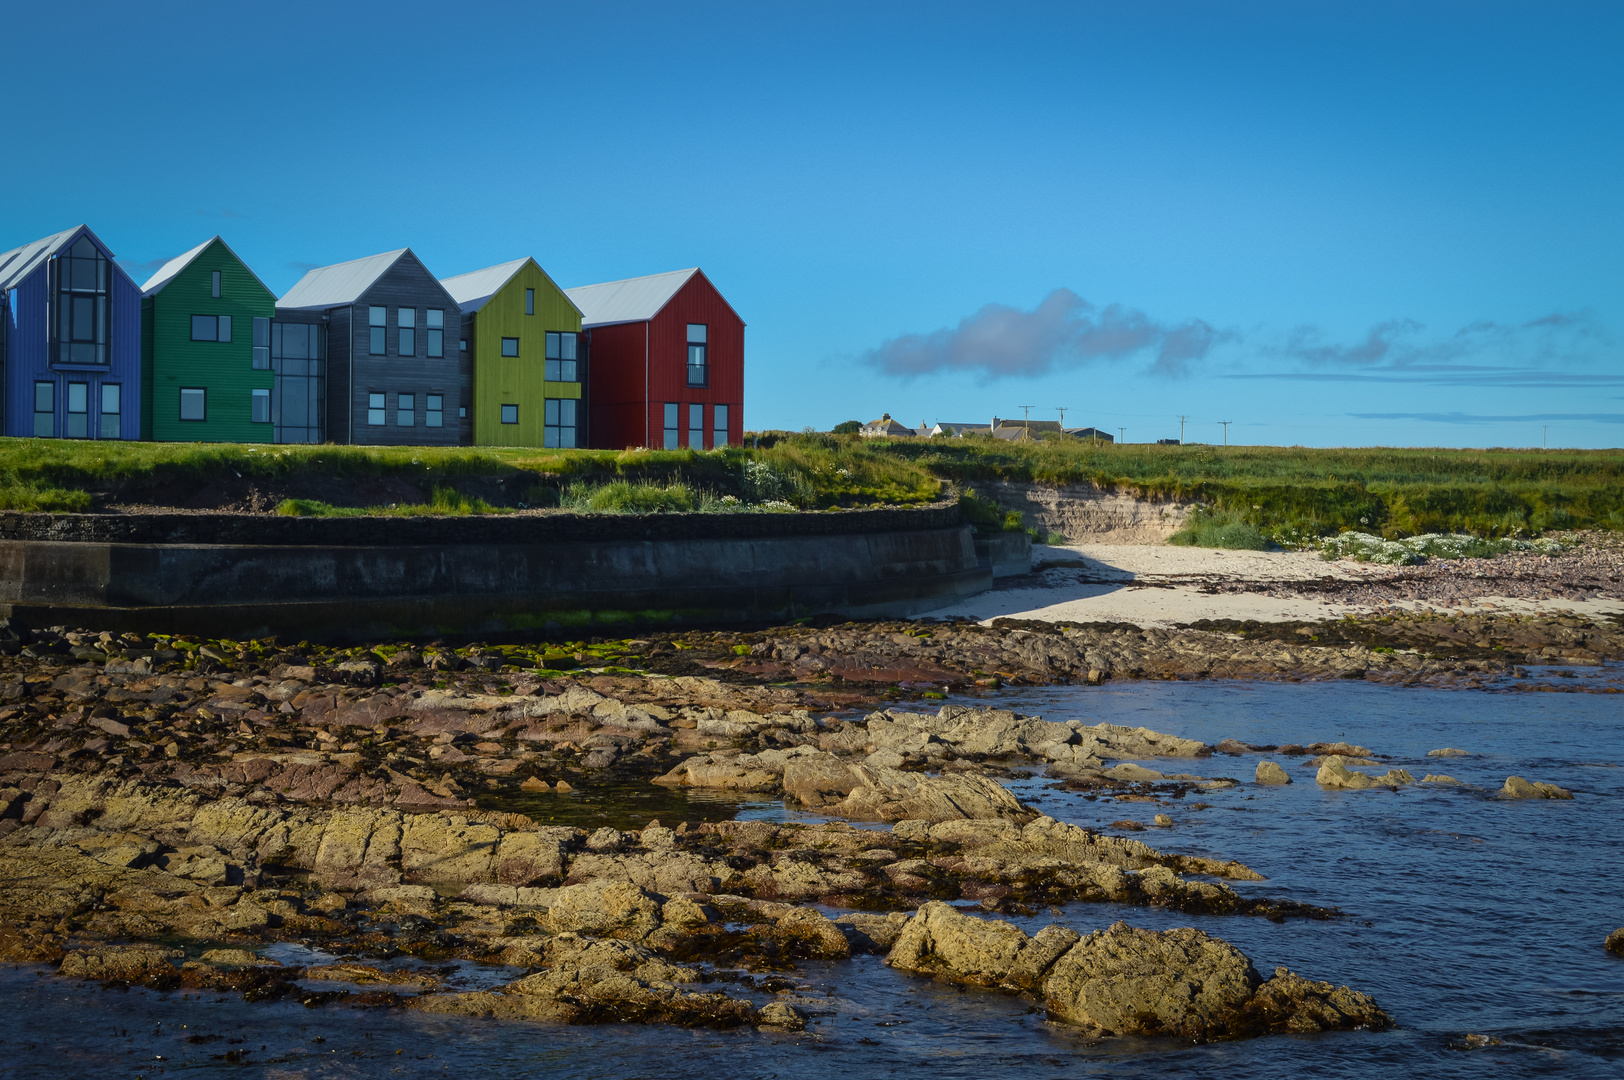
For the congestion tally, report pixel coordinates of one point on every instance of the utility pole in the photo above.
(1122, 435)
(1181, 429)
(1026, 419)
(1545, 437)
(1061, 409)
(1226, 424)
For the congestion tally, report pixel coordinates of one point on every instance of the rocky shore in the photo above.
(169, 807)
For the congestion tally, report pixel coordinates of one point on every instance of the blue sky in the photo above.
(1330, 224)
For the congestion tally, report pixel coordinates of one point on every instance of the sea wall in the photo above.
(1085, 514)
(330, 578)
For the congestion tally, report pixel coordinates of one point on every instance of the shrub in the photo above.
(1220, 529)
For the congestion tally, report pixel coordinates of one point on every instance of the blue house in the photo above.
(72, 340)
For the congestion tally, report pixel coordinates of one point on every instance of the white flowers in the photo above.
(1364, 547)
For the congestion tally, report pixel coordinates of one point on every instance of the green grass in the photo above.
(1220, 529)
(1293, 495)
(445, 502)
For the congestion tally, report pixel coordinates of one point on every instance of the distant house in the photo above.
(390, 376)
(884, 428)
(1022, 430)
(206, 350)
(1091, 434)
(1169, 442)
(957, 430)
(524, 338)
(72, 340)
(667, 362)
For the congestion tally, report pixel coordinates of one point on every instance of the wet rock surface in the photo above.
(1129, 981)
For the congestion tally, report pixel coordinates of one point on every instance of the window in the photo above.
(78, 410)
(561, 355)
(530, 301)
(434, 410)
(671, 431)
(406, 322)
(436, 332)
(405, 410)
(377, 319)
(193, 404)
(510, 414)
(262, 344)
(719, 426)
(82, 305)
(462, 346)
(112, 396)
(696, 427)
(375, 409)
(298, 395)
(44, 410)
(560, 423)
(214, 285)
(259, 406)
(698, 373)
(211, 328)
(510, 346)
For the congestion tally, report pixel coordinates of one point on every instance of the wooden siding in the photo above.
(505, 380)
(27, 357)
(617, 384)
(224, 369)
(407, 284)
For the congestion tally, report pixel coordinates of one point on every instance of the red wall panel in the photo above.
(618, 368)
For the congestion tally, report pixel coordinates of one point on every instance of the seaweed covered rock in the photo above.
(980, 952)
(145, 964)
(1615, 942)
(1518, 788)
(1291, 1003)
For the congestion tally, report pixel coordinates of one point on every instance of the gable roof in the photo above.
(341, 283)
(171, 269)
(18, 263)
(472, 289)
(635, 299)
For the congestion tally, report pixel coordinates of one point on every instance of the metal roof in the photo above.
(635, 299)
(18, 263)
(339, 284)
(169, 270)
(472, 289)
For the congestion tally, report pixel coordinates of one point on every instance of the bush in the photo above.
(625, 497)
(847, 427)
(1220, 529)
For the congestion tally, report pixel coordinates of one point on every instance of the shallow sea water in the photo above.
(1464, 914)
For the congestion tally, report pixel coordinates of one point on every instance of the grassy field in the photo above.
(1283, 494)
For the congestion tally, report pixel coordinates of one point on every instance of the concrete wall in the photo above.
(337, 590)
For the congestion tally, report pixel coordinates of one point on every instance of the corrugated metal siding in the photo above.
(500, 380)
(615, 386)
(617, 354)
(224, 369)
(25, 360)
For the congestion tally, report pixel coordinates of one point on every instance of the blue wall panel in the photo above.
(26, 356)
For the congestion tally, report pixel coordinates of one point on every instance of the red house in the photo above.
(666, 367)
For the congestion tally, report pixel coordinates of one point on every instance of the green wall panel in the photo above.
(173, 360)
(504, 380)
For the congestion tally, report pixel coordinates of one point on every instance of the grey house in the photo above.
(393, 374)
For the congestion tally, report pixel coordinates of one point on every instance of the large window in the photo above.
(696, 427)
(405, 410)
(406, 322)
(436, 332)
(433, 410)
(211, 328)
(44, 410)
(259, 406)
(377, 406)
(672, 432)
(698, 368)
(194, 403)
(510, 414)
(719, 427)
(112, 401)
(561, 357)
(82, 305)
(297, 388)
(510, 346)
(262, 344)
(560, 426)
(377, 321)
(78, 410)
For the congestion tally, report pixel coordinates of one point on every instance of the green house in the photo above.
(205, 349)
(528, 356)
